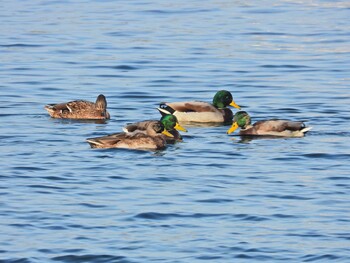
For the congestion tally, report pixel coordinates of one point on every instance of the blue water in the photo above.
(214, 197)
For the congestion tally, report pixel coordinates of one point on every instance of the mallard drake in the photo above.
(204, 112)
(283, 128)
(170, 124)
(149, 139)
(80, 109)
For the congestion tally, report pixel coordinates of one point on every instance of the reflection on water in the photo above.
(203, 125)
(211, 197)
(249, 138)
(72, 121)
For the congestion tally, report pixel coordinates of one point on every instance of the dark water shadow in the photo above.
(72, 121)
(249, 138)
(127, 150)
(201, 124)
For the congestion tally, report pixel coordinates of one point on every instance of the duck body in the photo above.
(197, 111)
(80, 109)
(274, 127)
(170, 123)
(200, 111)
(283, 128)
(149, 139)
(140, 141)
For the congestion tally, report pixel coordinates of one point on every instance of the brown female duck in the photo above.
(80, 109)
(170, 124)
(149, 139)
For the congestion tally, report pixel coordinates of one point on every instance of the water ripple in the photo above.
(164, 216)
(328, 156)
(215, 200)
(312, 258)
(212, 197)
(91, 258)
(20, 45)
(119, 67)
(17, 260)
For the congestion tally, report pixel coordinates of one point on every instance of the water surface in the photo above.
(214, 197)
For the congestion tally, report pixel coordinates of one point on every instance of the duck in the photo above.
(202, 112)
(80, 109)
(170, 123)
(149, 139)
(273, 127)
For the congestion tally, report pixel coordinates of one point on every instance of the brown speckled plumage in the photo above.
(170, 123)
(150, 139)
(142, 126)
(80, 109)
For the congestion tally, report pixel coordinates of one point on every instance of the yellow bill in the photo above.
(179, 127)
(233, 104)
(233, 128)
(165, 132)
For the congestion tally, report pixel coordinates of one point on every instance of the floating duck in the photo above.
(170, 124)
(149, 139)
(282, 128)
(80, 109)
(204, 112)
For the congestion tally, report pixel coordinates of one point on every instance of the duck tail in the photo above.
(306, 129)
(165, 109)
(93, 142)
(50, 108)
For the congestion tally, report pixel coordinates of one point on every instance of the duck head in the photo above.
(223, 98)
(101, 104)
(170, 123)
(240, 120)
